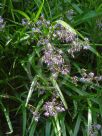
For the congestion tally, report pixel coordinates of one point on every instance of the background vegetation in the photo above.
(29, 83)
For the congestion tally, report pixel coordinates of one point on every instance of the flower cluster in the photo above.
(40, 30)
(71, 38)
(86, 77)
(54, 60)
(46, 34)
(42, 21)
(63, 34)
(52, 108)
(77, 45)
(52, 56)
(24, 21)
(42, 42)
(2, 25)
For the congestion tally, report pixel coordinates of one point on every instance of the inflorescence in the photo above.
(54, 60)
(45, 34)
(53, 107)
(87, 78)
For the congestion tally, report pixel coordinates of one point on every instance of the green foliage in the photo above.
(27, 83)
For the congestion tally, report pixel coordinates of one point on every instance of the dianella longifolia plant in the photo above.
(50, 68)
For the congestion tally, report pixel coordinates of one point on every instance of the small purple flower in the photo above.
(97, 126)
(52, 108)
(54, 60)
(25, 21)
(64, 35)
(91, 74)
(65, 70)
(36, 116)
(46, 114)
(60, 109)
(86, 47)
(82, 80)
(98, 78)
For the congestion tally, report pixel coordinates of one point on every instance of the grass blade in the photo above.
(7, 118)
(67, 26)
(39, 12)
(48, 128)
(89, 118)
(59, 91)
(57, 126)
(31, 90)
(77, 125)
(23, 14)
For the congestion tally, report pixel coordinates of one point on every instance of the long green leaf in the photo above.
(87, 16)
(7, 118)
(39, 12)
(67, 26)
(23, 14)
(31, 90)
(59, 91)
(77, 125)
(48, 128)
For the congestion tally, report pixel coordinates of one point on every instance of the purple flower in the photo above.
(36, 116)
(65, 70)
(54, 60)
(52, 108)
